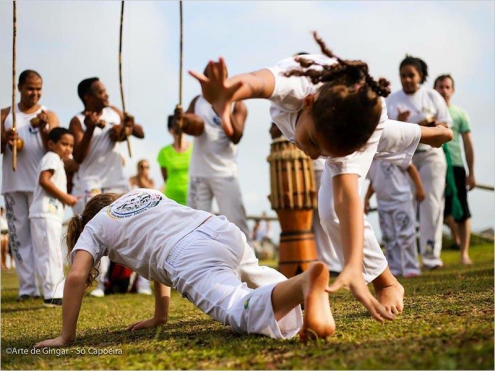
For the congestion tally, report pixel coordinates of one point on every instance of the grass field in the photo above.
(447, 324)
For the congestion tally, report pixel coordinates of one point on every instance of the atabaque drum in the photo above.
(293, 197)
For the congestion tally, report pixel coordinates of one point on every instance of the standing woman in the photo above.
(426, 107)
(174, 161)
(142, 178)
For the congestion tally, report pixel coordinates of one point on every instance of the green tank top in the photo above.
(177, 165)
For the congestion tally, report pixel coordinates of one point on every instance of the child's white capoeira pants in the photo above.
(217, 270)
(17, 207)
(325, 250)
(432, 168)
(227, 192)
(398, 225)
(47, 235)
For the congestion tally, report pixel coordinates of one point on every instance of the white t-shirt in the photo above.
(24, 179)
(214, 155)
(138, 231)
(387, 141)
(391, 184)
(102, 167)
(44, 205)
(425, 103)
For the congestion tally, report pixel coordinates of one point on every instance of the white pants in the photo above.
(17, 207)
(398, 227)
(216, 269)
(325, 250)
(432, 168)
(226, 191)
(47, 235)
(374, 262)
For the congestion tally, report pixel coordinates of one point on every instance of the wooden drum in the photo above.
(293, 197)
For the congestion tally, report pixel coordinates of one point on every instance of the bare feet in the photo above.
(391, 297)
(318, 319)
(466, 261)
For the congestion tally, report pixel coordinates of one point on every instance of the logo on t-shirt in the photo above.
(387, 167)
(217, 120)
(134, 203)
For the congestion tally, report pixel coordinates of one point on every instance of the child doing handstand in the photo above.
(204, 257)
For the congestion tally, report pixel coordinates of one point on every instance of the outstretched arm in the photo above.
(350, 213)
(222, 92)
(73, 295)
(436, 136)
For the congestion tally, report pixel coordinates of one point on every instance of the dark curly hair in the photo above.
(348, 107)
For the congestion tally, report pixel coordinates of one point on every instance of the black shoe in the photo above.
(25, 297)
(52, 303)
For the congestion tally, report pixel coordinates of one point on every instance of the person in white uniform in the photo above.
(98, 131)
(47, 212)
(33, 123)
(213, 169)
(424, 106)
(344, 119)
(202, 256)
(394, 196)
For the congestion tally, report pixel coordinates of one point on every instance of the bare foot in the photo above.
(466, 261)
(318, 319)
(391, 297)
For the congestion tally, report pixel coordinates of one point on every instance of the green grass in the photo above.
(447, 324)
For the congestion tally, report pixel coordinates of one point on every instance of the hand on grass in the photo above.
(148, 323)
(352, 279)
(53, 343)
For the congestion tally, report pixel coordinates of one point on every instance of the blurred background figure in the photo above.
(4, 227)
(142, 179)
(174, 162)
(460, 224)
(262, 238)
(420, 105)
(394, 195)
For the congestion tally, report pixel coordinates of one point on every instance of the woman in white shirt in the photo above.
(420, 105)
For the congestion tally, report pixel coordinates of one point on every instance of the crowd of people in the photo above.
(311, 96)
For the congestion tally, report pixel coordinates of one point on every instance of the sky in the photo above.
(67, 41)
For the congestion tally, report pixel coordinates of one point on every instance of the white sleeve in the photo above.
(49, 161)
(289, 92)
(88, 241)
(442, 114)
(398, 142)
